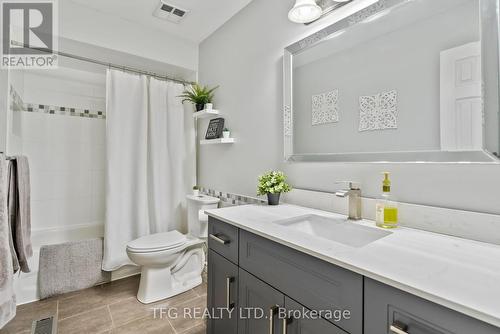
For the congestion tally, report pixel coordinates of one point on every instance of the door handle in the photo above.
(218, 238)
(272, 312)
(286, 322)
(229, 304)
(398, 328)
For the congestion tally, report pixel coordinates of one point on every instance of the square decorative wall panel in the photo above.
(378, 112)
(325, 108)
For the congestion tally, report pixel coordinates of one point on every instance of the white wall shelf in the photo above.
(217, 141)
(206, 113)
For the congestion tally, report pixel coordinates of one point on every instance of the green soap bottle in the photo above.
(387, 206)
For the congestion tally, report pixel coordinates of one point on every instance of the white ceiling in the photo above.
(204, 16)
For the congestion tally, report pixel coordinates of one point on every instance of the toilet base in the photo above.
(157, 284)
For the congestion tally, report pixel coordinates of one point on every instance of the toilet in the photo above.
(172, 262)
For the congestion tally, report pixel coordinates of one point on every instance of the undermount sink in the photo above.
(334, 229)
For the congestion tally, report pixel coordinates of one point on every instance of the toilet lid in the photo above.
(158, 241)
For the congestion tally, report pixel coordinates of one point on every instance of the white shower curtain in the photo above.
(150, 161)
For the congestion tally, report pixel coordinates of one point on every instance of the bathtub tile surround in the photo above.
(66, 111)
(16, 101)
(229, 199)
(17, 104)
(64, 207)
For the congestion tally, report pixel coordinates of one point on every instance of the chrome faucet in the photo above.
(354, 195)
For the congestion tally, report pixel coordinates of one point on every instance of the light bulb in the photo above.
(305, 11)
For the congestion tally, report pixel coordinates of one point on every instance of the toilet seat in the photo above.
(157, 242)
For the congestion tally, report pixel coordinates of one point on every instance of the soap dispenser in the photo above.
(386, 215)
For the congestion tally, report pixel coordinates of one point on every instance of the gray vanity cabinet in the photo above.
(314, 283)
(259, 305)
(389, 310)
(306, 324)
(252, 274)
(222, 295)
(276, 311)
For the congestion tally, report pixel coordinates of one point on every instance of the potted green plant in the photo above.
(196, 190)
(198, 95)
(273, 184)
(226, 133)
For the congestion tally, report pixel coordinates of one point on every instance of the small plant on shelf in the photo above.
(196, 190)
(226, 133)
(273, 184)
(198, 95)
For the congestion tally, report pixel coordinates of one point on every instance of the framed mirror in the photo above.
(399, 81)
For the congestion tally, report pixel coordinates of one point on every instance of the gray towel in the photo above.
(7, 296)
(70, 266)
(19, 208)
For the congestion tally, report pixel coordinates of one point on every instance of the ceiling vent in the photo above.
(169, 12)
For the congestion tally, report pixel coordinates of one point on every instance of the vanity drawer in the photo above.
(386, 306)
(316, 284)
(223, 239)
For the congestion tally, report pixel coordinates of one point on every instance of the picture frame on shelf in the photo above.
(214, 129)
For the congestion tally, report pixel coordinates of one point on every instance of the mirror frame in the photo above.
(487, 7)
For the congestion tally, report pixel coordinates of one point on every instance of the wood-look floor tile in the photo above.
(201, 289)
(128, 310)
(98, 296)
(200, 329)
(176, 300)
(27, 313)
(94, 321)
(121, 289)
(145, 326)
(85, 301)
(196, 306)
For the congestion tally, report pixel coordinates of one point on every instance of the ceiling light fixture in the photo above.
(304, 11)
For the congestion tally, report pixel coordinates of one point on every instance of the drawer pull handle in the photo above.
(286, 322)
(219, 239)
(273, 310)
(229, 304)
(399, 328)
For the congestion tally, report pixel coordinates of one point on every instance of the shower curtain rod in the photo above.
(103, 63)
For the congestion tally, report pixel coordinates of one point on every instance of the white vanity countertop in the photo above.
(460, 274)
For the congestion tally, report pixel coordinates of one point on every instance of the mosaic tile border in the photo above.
(232, 199)
(66, 111)
(17, 104)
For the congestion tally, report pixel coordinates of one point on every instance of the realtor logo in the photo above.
(29, 34)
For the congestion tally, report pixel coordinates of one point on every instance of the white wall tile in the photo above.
(66, 153)
(75, 211)
(45, 214)
(98, 209)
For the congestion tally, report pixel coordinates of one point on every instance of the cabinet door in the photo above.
(298, 320)
(222, 295)
(312, 282)
(389, 310)
(259, 306)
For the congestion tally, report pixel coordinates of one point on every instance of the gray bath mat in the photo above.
(70, 266)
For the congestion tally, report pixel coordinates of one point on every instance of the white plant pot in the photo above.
(226, 134)
(209, 106)
(196, 192)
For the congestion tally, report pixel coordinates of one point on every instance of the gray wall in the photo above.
(406, 60)
(244, 57)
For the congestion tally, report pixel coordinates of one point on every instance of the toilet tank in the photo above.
(197, 219)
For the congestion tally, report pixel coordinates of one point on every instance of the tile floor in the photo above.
(112, 308)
